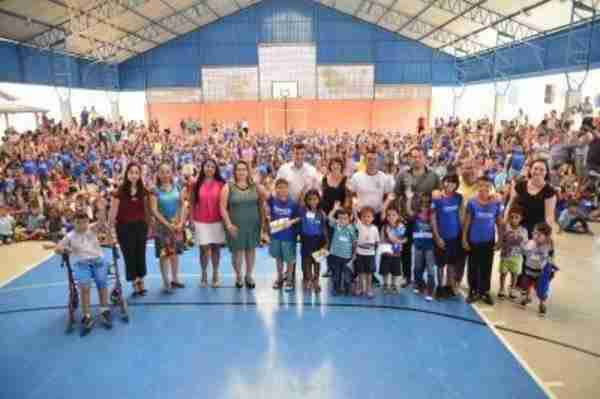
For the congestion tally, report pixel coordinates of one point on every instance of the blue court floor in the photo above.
(230, 343)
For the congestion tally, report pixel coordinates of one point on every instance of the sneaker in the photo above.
(288, 285)
(376, 282)
(394, 289)
(542, 309)
(177, 284)
(386, 289)
(501, 295)
(405, 284)
(87, 323)
(106, 318)
(512, 295)
(472, 298)
(487, 299)
(428, 298)
(525, 301)
(370, 295)
(327, 274)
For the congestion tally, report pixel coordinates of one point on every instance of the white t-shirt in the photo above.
(299, 178)
(368, 236)
(6, 225)
(82, 246)
(370, 189)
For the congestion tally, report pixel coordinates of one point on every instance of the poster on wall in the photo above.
(346, 81)
(286, 63)
(403, 92)
(230, 83)
(174, 95)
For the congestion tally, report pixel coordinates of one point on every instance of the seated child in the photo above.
(35, 225)
(86, 257)
(572, 220)
(7, 225)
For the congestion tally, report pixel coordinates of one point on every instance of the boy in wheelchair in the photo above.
(86, 255)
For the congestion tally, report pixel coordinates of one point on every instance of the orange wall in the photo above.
(352, 115)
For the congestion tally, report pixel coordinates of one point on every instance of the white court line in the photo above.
(27, 269)
(555, 384)
(520, 359)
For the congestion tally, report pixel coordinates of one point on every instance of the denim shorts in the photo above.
(87, 269)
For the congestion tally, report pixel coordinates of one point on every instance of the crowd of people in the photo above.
(421, 207)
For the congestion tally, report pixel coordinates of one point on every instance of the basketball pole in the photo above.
(285, 121)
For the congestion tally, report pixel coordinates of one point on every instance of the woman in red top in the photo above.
(128, 214)
(210, 233)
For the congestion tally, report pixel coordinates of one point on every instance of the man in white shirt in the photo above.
(300, 175)
(371, 186)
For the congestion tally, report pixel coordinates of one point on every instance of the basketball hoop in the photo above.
(63, 93)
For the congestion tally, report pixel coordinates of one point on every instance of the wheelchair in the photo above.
(116, 297)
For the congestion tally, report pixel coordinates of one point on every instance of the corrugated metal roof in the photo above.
(115, 30)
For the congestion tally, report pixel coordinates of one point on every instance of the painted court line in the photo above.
(26, 270)
(520, 359)
(555, 384)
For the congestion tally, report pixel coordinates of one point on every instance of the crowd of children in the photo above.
(52, 177)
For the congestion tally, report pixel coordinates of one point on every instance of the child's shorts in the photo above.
(88, 269)
(364, 264)
(284, 250)
(390, 265)
(513, 264)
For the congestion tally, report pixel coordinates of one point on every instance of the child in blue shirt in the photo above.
(313, 237)
(393, 237)
(447, 234)
(283, 216)
(483, 218)
(343, 245)
(423, 256)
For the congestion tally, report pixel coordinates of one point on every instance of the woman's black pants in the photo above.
(132, 239)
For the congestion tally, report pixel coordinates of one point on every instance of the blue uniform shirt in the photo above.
(483, 220)
(447, 213)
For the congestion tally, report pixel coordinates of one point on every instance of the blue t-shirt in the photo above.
(422, 233)
(313, 223)
(42, 168)
(483, 220)
(168, 202)
(447, 213)
(517, 159)
(280, 210)
(79, 169)
(29, 167)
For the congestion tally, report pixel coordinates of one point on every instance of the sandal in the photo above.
(250, 282)
(215, 281)
(239, 283)
(278, 284)
(204, 281)
(316, 286)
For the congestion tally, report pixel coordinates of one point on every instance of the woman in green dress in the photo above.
(242, 209)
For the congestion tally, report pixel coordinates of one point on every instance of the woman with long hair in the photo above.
(536, 196)
(167, 205)
(208, 223)
(242, 209)
(129, 215)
